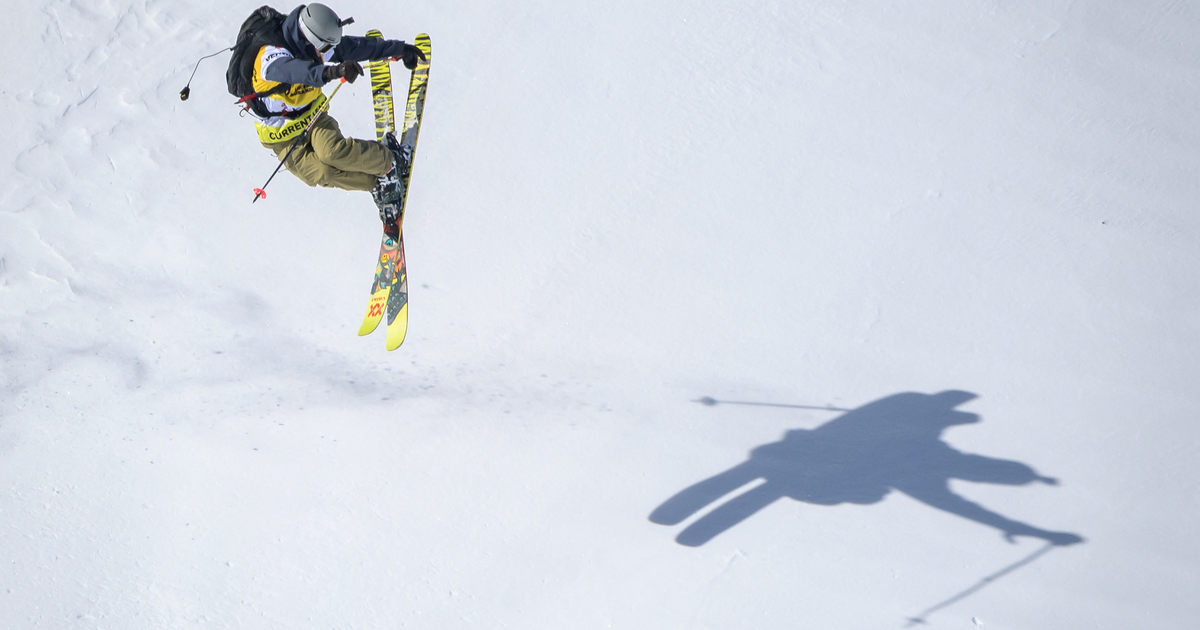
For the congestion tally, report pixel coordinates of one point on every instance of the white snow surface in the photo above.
(619, 209)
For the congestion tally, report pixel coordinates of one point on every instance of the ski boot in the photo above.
(386, 195)
(402, 160)
(389, 189)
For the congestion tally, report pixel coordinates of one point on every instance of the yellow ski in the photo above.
(397, 301)
(385, 121)
(389, 293)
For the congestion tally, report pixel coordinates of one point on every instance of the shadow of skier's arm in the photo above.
(981, 469)
(936, 493)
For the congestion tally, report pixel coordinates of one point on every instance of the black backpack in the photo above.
(263, 27)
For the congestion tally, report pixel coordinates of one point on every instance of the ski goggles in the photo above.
(328, 45)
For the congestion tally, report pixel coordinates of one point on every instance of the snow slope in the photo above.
(790, 210)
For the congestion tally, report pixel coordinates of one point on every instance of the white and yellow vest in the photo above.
(286, 121)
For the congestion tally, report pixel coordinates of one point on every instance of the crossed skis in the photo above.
(389, 292)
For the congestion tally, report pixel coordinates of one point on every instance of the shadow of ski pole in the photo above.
(920, 618)
(712, 402)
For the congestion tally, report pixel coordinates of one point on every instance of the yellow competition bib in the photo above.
(291, 128)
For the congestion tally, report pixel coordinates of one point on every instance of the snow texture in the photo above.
(747, 314)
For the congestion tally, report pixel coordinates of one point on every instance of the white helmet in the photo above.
(321, 26)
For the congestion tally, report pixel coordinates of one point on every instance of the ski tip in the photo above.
(259, 193)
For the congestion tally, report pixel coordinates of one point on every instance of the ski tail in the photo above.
(385, 272)
(397, 302)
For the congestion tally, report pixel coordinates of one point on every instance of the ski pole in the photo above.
(260, 192)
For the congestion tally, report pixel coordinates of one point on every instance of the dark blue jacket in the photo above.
(306, 65)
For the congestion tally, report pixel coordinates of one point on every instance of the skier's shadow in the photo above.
(859, 457)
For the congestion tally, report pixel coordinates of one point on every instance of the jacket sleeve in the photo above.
(292, 70)
(354, 48)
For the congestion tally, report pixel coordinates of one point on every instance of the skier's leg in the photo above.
(308, 168)
(359, 160)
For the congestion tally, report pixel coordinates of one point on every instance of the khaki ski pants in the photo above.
(327, 158)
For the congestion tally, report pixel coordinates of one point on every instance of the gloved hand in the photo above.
(348, 70)
(410, 55)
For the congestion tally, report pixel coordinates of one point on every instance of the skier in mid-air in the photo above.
(287, 61)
